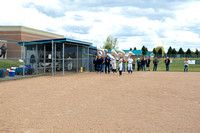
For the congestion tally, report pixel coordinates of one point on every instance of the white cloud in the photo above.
(133, 25)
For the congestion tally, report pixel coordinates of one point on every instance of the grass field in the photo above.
(176, 65)
(9, 63)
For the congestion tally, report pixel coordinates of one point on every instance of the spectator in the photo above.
(103, 64)
(99, 63)
(133, 64)
(138, 64)
(143, 62)
(155, 62)
(3, 50)
(148, 63)
(95, 63)
(107, 64)
(186, 63)
(167, 61)
(124, 65)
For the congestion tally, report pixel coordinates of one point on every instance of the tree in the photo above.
(135, 48)
(174, 52)
(162, 48)
(169, 52)
(160, 52)
(111, 43)
(154, 52)
(197, 52)
(181, 52)
(188, 52)
(131, 49)
(144, 50)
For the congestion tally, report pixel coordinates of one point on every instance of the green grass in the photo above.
(9, 63)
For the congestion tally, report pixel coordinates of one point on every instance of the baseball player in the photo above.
(130, 66)
(120, 65)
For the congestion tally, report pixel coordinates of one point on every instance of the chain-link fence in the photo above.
(47, 59)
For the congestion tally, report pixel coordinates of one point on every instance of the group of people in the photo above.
(3, 51)
(146, 62)
(104, 64)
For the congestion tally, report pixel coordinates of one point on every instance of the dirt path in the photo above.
(90, 102)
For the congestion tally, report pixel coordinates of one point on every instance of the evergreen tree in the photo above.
(197, 53)
(144, 50)
(169, 50)
(154, 52)
(174, 52)
(160, 52)
(135, 48)
(188, 52)
(131, 49)
(181, 52)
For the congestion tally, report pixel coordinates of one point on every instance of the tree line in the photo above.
(112, 43)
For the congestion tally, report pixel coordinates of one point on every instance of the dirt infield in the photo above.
(142, 102)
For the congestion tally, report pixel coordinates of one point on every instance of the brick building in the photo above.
(14, 34)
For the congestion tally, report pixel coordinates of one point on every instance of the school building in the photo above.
(11, 35)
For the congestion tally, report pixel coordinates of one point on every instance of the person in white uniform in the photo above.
(120, 65)
(113, 62)
(130, 66)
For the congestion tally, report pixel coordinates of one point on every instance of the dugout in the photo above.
(58, 56)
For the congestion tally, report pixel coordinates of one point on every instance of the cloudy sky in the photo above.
(135, 23)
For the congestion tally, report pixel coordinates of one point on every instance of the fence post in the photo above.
(77, 59)
(55, 59)
(88, 59)
(44, 58)
(52, 58)
(23, 58)
(63, 59)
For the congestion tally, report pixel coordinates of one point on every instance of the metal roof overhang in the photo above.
(56, 40)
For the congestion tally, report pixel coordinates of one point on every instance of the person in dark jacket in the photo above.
(95, 63)
(103, 64)
(138, 64)
(99, 63)
(143, 62)
(148, 63)
(107, 64)
(167, 61)
(155, 62)
(3, 50)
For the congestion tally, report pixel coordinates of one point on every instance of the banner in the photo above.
(191, 61)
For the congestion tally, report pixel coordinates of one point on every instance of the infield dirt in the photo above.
(89, 102)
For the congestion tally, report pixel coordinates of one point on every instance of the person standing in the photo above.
(99, 63)
(120, 65)
(167, 61)
(103, 64)
(148, 64)
(3, 50)
(130, 65)
(107, 64)
(133, 65)
(124, 65)
(155, 62)
(138, 64)
(186, 63)
(95, 63)
(113, 62)
(143, 62)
